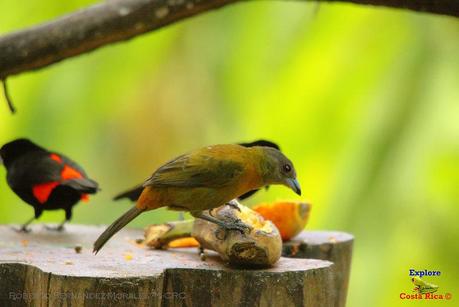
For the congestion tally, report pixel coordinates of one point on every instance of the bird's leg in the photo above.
(202, 253)
(234, 204)
(60, 227)
(234, 225)
(24, 227)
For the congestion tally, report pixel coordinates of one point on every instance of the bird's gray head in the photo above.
(276, 168)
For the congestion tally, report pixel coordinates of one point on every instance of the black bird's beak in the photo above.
(294, 185)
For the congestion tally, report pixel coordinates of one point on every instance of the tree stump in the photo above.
(327, 245)
(59, 269)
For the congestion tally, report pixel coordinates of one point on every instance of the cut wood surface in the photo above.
(43, 268)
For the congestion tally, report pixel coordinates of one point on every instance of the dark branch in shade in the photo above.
(117, 20)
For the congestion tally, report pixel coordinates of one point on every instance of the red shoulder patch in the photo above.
(70, 173)
(42, 191)
(56, 158)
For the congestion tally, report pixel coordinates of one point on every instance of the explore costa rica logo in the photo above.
(424, 290)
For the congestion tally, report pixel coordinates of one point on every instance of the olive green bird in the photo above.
(423, 286)
(208, 178)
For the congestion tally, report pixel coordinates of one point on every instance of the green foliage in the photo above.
(364, 101)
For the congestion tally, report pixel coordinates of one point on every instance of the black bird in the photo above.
(44, 179)
(134, 193)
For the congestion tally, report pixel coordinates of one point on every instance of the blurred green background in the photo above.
(365, 102)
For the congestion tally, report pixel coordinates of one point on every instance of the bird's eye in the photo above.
(287, 168)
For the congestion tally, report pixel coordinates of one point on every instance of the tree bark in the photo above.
(332, 246)
(44, 268)
(117, 20)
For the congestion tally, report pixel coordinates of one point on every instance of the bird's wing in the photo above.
(74, 176)
(70, 163)
(32, 169)
(132, 194)
(196, 170)
(264, 143)
(45, 167)
(83, 185)
(248, 194)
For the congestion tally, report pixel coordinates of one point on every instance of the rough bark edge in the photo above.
(336, 247)
(26, 285)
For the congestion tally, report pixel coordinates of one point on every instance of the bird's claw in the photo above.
(240, 226)
(234, 205)
(58, 228)
(211, 213)
(22, 229)
(235, 225)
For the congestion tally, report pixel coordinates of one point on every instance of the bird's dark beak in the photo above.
(294, 185)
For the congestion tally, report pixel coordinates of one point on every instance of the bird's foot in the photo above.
(211, 213)
(55, 228)
(237, 225)
(22, 229)
(234, 205)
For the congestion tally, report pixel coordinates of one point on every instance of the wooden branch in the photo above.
(117, 20)
(43, 268)
(85, 30)
(7, 97)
